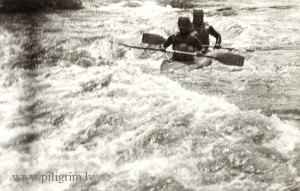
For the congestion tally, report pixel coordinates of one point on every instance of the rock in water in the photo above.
(183, 4)
(22, 5)
(68, 4)
(34, 5)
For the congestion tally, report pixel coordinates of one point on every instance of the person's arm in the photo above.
(213, 32)
(168, 42)
(198, 43)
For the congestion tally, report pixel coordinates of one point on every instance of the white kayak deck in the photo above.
(200, 62)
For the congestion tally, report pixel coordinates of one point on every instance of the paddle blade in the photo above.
(153, 39)
(230, 59)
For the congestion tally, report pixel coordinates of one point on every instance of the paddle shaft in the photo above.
(143, 48)
(225, 58)
(198, 54)
(209, 46)
(155, 39)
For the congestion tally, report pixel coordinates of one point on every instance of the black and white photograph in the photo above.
(149, 95)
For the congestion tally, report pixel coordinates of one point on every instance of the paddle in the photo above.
(155, 39)
(225, 58)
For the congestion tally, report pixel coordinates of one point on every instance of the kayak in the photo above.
(171, 66)
(224, 58)
(201, 62)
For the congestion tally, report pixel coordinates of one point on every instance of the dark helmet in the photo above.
(184, 22)
(184, 25)
(198, 13)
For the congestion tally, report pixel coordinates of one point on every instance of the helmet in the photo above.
(184, 22)
(184, 25)
(198, 13)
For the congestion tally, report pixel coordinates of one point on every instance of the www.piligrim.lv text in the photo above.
(54, 177)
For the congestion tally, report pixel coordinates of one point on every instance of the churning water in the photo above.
(73, 101)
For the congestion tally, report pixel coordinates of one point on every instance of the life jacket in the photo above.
(203, 32)
(184, 43)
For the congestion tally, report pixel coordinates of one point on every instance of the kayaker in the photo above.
(204, 29)
(185, 40)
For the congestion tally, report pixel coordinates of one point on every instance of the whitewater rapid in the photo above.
(73, 101)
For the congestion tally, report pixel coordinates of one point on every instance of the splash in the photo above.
(93, 106)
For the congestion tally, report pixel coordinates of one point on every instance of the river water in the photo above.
(73, 101)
